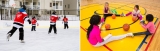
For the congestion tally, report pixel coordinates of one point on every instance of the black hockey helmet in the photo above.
(24, 7)
(54, 12)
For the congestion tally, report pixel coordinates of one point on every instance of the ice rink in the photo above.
(40, 40)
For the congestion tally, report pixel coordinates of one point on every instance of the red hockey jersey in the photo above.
(34, 21)
(65, 19)
(19, 19)
(53, 19)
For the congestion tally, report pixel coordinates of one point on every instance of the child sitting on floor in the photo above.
(135, 13)
(93, 33)
(150, 27)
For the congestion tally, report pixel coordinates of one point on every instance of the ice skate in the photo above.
(48, 32)
(22, 41)
(8, 36)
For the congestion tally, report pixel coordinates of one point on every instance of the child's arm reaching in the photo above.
(145, 26)
(102, 22)
(100, 25)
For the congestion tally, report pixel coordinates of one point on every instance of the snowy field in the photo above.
(40, 40)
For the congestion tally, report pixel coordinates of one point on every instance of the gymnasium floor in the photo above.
(130, 43)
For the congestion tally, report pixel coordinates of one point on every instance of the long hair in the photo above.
(137, 6)
(95, 20)
(106, 3)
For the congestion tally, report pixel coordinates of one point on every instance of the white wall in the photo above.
(42, 24)
(71, 17)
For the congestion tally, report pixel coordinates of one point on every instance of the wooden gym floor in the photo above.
(152, 7)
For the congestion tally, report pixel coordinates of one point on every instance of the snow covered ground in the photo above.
(40, 40)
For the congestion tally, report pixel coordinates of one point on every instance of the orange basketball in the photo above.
(134, 18)
(107, 26)
(126, 27)
(113, 16)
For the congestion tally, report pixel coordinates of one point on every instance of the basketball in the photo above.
(134, 18)
(113, 16)
(107, 26)
(126, 27)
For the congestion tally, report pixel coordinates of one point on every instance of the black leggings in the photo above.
(66, 26)
(33, 28)
(54, 28)
(142, 33)
(21, 32)
(106, 15)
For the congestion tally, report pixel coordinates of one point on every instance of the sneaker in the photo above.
(8, 36)
(95, 13)
(122, 15)
(142, 22)
(22, 41)
(130, 34)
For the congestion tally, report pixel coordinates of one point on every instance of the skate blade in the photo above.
(7, 38)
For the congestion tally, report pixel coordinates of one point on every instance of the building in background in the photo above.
(41, 8)
(4, 9)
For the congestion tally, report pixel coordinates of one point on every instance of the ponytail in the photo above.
(89, 30)
(95, 20)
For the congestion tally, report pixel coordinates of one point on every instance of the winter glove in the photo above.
(29, 21)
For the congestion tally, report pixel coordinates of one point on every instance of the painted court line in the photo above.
(143, 41)
(110, 6)
(151, 38)
(103, 45)
(86, 6)
(116, 8)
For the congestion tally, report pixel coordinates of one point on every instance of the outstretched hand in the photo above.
(37, 24)
(29, 22)
(102, 40)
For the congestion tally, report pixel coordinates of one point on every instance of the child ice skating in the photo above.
(18, 23)
(34, 23)
(53, 20)
(93, 33)
(65, 20)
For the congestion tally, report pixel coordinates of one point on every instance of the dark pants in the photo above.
(54, 28)
(66, 25)
(142, 33)
(106, 15)
(21, 32)
(33, 28)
